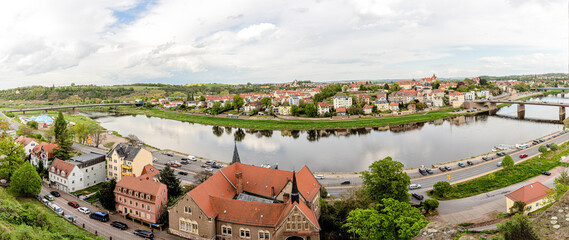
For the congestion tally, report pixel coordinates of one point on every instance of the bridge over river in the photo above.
(492, 106)
(75, 106)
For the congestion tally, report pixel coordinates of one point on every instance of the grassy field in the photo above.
(292, 124)
(27, 218)
(503, 178)
(69, 117)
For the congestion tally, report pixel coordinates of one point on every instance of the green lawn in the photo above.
(503, 178)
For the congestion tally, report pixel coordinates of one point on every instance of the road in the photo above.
(97, 227)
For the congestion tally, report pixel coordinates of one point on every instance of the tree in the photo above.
(14, 157)
(390, 219)
(83, 130)
(238, 102)
(62, 138)
(202, 176)
(561, 185)
(310, 110)
(294, 110)
(32, 124)
(430, 204)
(518, 207)
(217, 131)
(97, 136)
(483, 81)
(386, 179)
(435, 84)
(507, 162)
(267, 102)
(25, 130)
(134, 140)
(542, 149)
(239, 135)
(216, 108)
(386, 86)
(25, 181)
(107, 195)
(553, 147)
(201, 99)
(168, 177)
(519, 227)
(441, 188)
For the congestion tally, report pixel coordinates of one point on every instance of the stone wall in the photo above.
(554, 222)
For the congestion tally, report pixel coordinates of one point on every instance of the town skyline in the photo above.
(124, 42)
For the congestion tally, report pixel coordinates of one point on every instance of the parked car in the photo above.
(469, 163)
(192, 158)
(209, 162)
(546, 173)
(144, 234)
(319, 176)
(448, 168)
(44, 201)
(345, 183)
(169, 154)
(523, 155)
(73, 204)
(429, 171)
(119, 225)
(55, 193)
(499, 164)
(209, 169)
(38, 197)
(501, 154)
(422, 172)
(414, 186)
(485, 158)
(417, 196)
(99, 215)
(443, 169)
(83, 210)
(217, 165)
(182, 173)
(175, 165)
(48, 197)
(461, 164)
(58, 210)
(70, 218)
(155, 160)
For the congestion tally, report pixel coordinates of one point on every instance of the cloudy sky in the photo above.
(109, 42)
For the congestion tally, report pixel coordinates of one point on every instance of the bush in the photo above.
(507, 162)
(441, 188)
(553, 147)
(430, 204)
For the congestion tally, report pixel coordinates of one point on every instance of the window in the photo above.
(187, 209)
(136, 194)
(130, 202)
(136, 213)
(189, 226)
(225, 230)
(148, 216)
(119, 189)
(136, 204)
(142, 205)
(148, 197)
(120, 199)
(244, 233)
(148, 207)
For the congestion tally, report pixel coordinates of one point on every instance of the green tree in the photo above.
(386, 86)
(507, 162)
(294, 110)
(430, 204)
(386, 179)
(168, 177)
(310, 110)
(561, 185)
(201, 99)
(394, 88)
(542, 149)
(25, 181)
(267, 102)
(227, 106)
(435, 84)
(519, 227)
(442, 188)
(107, 195)
(13, 157)
(216, 108)
(390, 219)
(62, 138)
(553, 147)
(238, 102)
(518, 207)
(83, 130)
(32, 124)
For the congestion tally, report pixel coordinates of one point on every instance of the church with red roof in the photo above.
(242, 201)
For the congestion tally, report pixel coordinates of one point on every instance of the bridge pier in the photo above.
(23, 112)
(492, 109)
(73, 109)
(562, 93)
(521, 110)
(561, 113)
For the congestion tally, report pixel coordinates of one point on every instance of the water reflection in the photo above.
(217, 131)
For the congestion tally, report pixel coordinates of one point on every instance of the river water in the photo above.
(344, 150)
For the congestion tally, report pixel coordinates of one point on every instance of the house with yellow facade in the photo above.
(127, 160)
(284, 110)
(381, 105)
(533, 195)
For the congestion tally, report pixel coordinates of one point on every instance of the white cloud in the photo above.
(59, 42)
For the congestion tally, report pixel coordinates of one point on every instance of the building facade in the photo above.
(28, 143)
(533, 195)
(127, 160)
(141, 197)
(77, 173)
(42, 152)
(342, 102)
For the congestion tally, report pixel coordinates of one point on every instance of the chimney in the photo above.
(286, 197)
(239, 177)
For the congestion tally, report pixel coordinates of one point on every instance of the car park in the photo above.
(523, 155)
(83, 210)
(417, 196)
(443, 169)
(182, 173)
(55, 193)
(448, 168)
(469, 163)
(48, 197)
(73, 204)
(414, 186)
(144, 234)
(119, 225)
(546, 173)
(461, 164)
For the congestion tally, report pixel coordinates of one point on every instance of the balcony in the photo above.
(126, 167)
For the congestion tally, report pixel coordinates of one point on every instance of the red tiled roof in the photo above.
(394, 104)
(145, 185)
(24, 140)
(323, 105)
(529, 193)
(149, 171)
(47, 147)
(62, 166)
(341, 110)
(250, 213)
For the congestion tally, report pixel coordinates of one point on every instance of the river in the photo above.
(344, 150)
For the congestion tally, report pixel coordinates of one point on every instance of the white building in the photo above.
(323, 108)
(483, 94)
(42, 152)
(469, 96)
(28, 143)
(342, 102)
(293, 100)
(77, 173)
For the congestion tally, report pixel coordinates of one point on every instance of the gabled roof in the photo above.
(47, 147)
(129, 152)
(341, 110)
(529, 193)
(149, 171)
(24, 140)
(250, 213)
(58, 167)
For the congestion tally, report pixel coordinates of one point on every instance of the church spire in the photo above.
(236, 158)
(294, 195)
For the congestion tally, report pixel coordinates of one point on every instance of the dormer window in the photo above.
(142, 195)
(148, 197)
(58, 172)
(129, 192)
(52, 169)
(63, 173)
(136, 194)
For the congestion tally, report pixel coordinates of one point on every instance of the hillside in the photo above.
(29, 219)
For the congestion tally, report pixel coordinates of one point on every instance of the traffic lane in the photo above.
(91, 225)
(86, 149)
(330, 182)
(476, 170)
